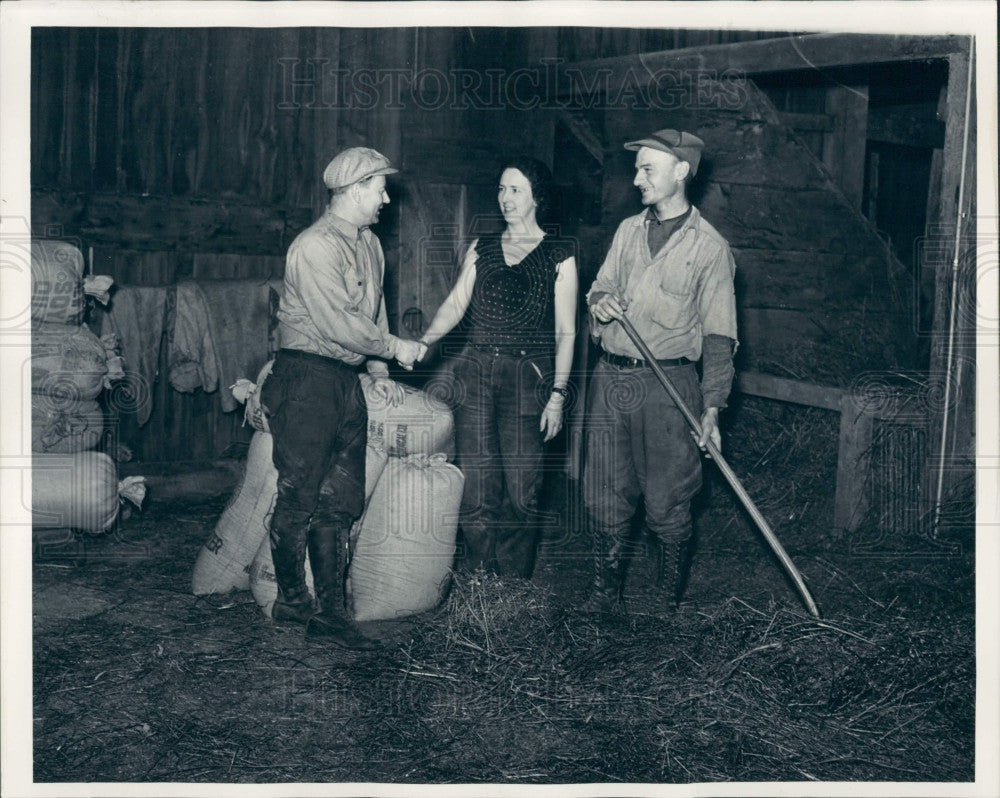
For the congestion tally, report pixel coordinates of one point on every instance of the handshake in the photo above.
(409, 352)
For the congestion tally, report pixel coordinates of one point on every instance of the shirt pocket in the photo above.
(673, 305)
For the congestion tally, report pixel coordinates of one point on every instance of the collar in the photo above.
(652, 217)
(347, 229)
(690, 223)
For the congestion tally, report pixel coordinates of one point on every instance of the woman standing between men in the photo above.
(518, 290)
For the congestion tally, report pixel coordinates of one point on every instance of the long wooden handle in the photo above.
(762, 525)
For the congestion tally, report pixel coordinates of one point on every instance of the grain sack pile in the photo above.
(72, 486)
(237, 555)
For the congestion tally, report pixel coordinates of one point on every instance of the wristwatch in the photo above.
(562, 390)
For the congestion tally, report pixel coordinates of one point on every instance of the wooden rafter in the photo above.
(791, 53)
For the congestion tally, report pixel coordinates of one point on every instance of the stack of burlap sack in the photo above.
(73, 486)
(402, 547)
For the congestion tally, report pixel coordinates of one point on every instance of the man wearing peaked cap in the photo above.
(354, 165)
(672, 273)
(684, 146)
(331, 320)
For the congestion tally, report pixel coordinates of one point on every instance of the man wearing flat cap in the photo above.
(672, 273)
(331, 320)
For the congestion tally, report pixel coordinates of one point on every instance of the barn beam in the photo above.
(788, 54)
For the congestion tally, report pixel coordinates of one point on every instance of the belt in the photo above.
(635, 362)
(313, 357)
(511, 351)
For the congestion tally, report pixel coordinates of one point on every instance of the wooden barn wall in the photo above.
(195, 153)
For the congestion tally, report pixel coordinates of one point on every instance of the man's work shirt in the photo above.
(680, 298)
(676, 296)
(333, 303)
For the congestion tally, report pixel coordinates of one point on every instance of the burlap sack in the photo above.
(263, 584)
(420, 425)
(80, 491)
(405, 542)
(60, 427)
(56, 283)
(68, 362)
(225, 561)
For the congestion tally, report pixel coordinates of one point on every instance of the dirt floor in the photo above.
(137, 680)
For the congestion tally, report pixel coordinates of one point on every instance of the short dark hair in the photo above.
(540, 178)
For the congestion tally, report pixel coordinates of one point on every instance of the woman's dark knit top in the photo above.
(513, 307)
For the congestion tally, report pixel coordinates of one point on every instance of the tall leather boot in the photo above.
(288, 551)
(328, 559)
(673, 567)
(605, 596)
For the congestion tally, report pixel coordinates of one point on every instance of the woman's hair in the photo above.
(538, 174)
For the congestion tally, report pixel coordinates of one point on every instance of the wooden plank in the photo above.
(123, 62)
(106, 144)
(185, 478)
(853, 462)
(762, 217)
(796, 392)
(945, 225)
(844, 145)
(199, 165)
(221, 266)
(186, 118)
(273, 166)
(803, 280)
(75, 167)
(458, 161)
(325, 121)
(231, 87)
(430, 241)
(785, 54)
(149, 120)
(941, 244)
(46, 113)
(157, 223)
(144, 268)
(536, 130)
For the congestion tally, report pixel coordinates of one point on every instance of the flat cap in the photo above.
(684, 146)
(354, 165)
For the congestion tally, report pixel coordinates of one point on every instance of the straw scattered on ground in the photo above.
(137, 680)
